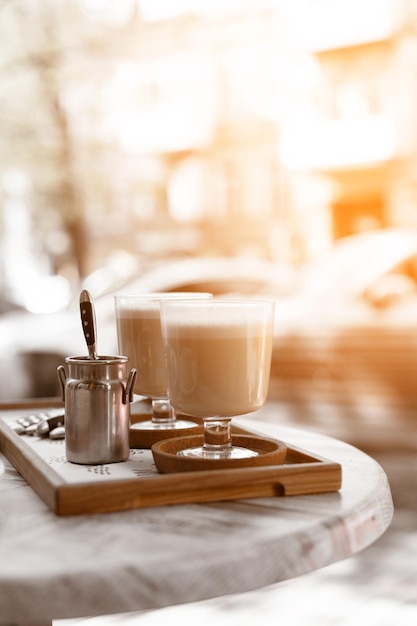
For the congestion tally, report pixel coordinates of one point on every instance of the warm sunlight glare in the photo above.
(162, 105)
(338, 143)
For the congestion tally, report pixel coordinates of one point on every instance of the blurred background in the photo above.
(141, 130)
(256, 147)
(187, 144)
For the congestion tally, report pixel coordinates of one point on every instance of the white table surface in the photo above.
(65, 567)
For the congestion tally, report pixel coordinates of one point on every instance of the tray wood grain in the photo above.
(302, 473)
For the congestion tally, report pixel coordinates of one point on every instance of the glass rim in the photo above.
(222, 302)
(163, 295)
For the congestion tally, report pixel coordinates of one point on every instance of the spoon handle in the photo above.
(88, 319)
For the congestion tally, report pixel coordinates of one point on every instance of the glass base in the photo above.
(168, 425)
(234, 452)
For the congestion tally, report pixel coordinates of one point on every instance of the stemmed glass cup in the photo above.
(218, 358)
(140, 339)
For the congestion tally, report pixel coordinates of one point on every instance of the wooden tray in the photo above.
(70, 489)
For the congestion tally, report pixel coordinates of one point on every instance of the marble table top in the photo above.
(67, 567)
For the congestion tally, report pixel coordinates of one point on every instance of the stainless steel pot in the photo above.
(97, 394)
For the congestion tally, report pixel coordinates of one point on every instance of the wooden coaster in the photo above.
(270, 452)
(145, 438)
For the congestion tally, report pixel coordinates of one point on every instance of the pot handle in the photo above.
(62, 377)
(128, 390)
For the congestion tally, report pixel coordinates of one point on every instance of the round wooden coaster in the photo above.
(270, 452)
(145, 438)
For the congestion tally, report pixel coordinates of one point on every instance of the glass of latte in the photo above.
(140, 339)
(218, 358)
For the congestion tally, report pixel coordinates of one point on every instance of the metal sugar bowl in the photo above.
(97, 394)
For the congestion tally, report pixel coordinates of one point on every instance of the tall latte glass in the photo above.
(140, 338)
(218, 355)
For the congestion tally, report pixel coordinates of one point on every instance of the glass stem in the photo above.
(162, 411)
(218, 435)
